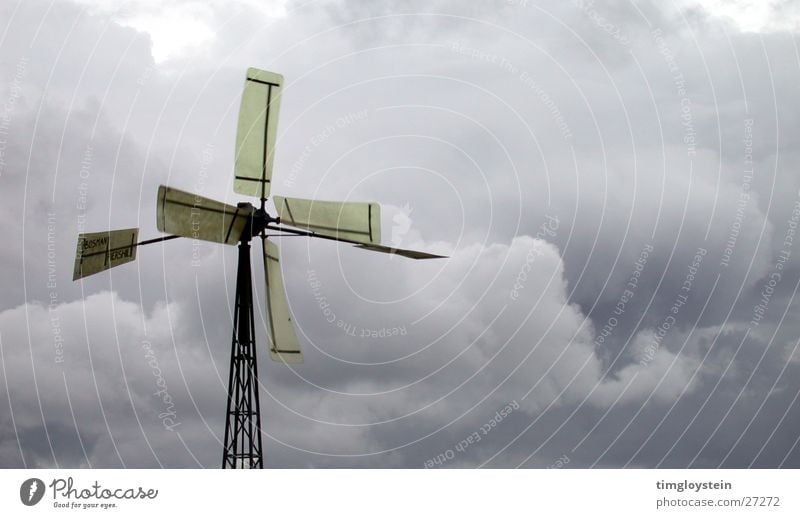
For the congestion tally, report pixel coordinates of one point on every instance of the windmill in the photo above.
(183, 214)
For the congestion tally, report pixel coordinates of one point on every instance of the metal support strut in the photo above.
(242, 448)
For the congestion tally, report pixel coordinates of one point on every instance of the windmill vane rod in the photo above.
(156, 240)
(124, 247)
(291, 231)
(310, 234)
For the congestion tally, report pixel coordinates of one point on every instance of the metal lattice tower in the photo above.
(242, 448)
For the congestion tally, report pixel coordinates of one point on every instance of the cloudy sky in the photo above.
(616, 184)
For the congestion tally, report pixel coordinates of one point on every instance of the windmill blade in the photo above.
(283, 344)
(190, 215)
(354, 222)
(413, 254)
(256, 133)
(99, 251)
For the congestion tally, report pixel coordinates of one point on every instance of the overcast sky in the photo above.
(616, 184)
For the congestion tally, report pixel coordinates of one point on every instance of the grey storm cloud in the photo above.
(615, 186)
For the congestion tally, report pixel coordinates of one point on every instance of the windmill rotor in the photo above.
(184, 214)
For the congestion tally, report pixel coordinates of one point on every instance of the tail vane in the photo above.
(99, 251)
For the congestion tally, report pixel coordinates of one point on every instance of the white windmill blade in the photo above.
(256, 133)
(99, 251)
(413, 254)
(190, 215)
(354, 222)
(283, 344)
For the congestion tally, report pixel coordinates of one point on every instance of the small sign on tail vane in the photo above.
(100, 251)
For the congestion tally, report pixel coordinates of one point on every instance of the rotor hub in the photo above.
(259, 219)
